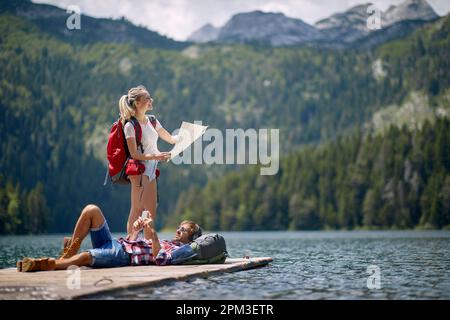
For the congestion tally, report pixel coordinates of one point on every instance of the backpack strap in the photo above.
(152, 119)
(138, 132)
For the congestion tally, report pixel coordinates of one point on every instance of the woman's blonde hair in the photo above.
(127, 103)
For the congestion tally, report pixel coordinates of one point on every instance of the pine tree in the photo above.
(36, 210)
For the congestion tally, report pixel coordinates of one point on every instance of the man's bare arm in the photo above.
(156, 246)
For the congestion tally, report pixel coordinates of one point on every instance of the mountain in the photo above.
(339, 30)
(409, 10)
(58, 99)
(206, 33)
(272, 28)
(268, 28)
(351, 26)
(52, 20)
(345, 27)
(376, 37)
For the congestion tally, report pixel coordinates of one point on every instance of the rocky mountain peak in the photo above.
(273, 28)
(409, 10)
(206, 33)
(339, 30)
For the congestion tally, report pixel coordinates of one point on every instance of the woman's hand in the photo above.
(177, 138)
(162, 156)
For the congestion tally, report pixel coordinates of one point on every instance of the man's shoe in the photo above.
(71, 248)
(19, 265)
(66, 244)
(41, 264)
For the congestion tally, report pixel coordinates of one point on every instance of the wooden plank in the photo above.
(62, 284)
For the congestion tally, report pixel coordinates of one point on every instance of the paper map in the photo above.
(189, 132)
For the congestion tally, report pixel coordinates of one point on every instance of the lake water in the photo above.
(307, 265)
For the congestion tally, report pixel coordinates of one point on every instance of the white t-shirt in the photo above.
(149, 135)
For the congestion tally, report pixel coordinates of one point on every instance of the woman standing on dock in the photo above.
(143, 187)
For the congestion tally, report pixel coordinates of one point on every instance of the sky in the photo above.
(177, 19)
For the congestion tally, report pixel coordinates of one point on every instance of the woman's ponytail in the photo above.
(126, 110)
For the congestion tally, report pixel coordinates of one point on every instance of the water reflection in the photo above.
(307, 265)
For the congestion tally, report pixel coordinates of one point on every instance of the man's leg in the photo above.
(90, 217)
(81, 259)
(48, 264)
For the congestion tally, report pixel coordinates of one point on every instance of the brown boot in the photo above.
(71, 249)
(19, 265)
(41, 264)
(66, 244)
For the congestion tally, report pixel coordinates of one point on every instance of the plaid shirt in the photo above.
(141, 253)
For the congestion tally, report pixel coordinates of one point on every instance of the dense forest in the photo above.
(58, 100)
(396, 179)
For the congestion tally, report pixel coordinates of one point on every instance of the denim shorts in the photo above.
(107, 252)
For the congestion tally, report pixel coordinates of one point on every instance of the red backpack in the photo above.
(117, 150)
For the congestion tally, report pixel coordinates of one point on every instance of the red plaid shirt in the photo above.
(141, 251)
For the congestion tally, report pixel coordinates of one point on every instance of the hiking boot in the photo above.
(41, 264)
(19, 266)
(66, 244)
(71, 248)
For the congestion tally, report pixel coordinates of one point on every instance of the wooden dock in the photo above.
(87, 283)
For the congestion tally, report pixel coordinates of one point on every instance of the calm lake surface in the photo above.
(307, 265)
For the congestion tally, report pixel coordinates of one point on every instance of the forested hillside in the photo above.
(58, 99)
(399, 179)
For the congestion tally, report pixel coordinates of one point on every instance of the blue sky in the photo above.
(177, 19)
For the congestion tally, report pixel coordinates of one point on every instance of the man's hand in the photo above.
(138, 225)
(149, 229)
(156, 246)
(148, 223)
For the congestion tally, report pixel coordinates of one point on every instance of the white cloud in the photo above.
(179, 18)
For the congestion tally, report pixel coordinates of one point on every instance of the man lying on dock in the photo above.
(108, 252)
